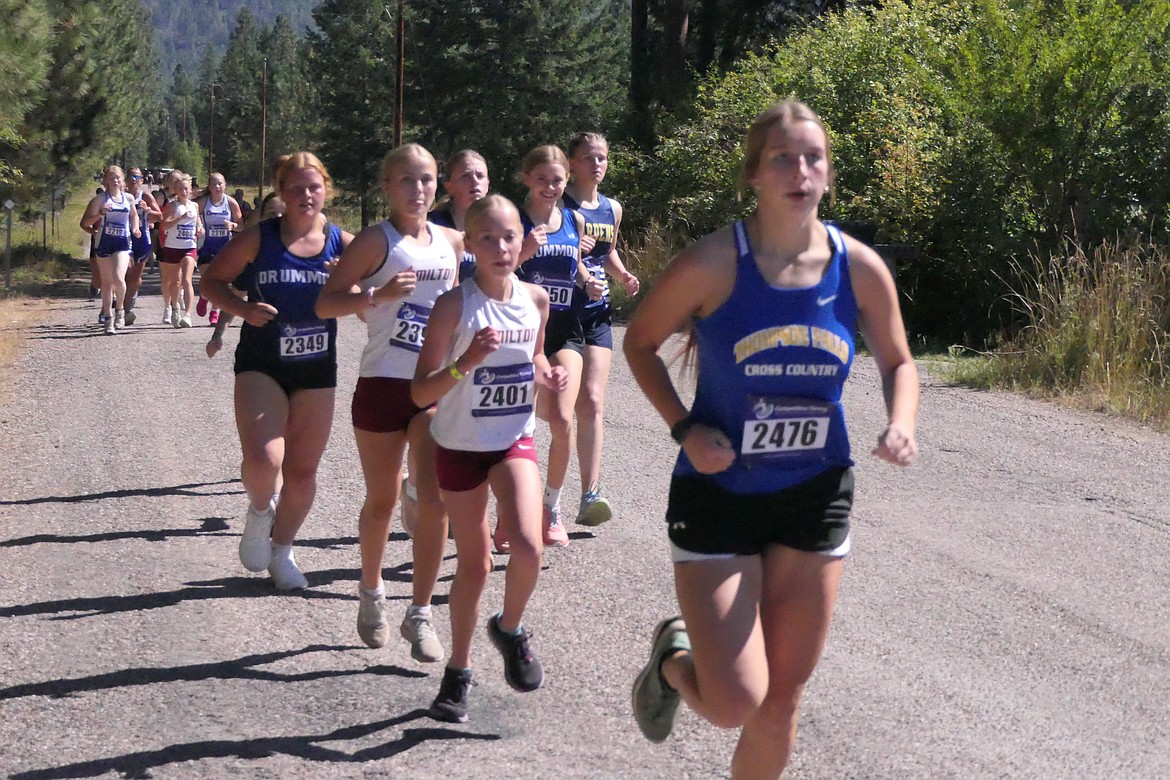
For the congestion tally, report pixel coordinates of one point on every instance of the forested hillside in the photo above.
(184, 27)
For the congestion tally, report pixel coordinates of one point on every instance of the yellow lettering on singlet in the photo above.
(768, 338)
(830, 342)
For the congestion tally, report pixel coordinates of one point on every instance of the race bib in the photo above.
(115, 229)
(217, 232)
(560, 293)
(409, 326)
(785, 430)
(185, 232)
(305, 341)
(503, 390)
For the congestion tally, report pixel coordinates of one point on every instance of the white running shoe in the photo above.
(167, 316)
(372, 626)
(175, 315)
(409, 508)
(119, 319)
(185, 321)
(110, 329)
(417, 629)
(256, 541)
(284, 571)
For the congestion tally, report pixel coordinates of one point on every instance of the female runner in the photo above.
(401, 267)
(483, 359)
(221, 218)
(181, 227)
(758, 512)
(286, 361)
(112, 212)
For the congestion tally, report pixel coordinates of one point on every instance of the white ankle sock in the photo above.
(551, 495)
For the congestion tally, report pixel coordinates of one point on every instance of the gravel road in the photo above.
(1005, 613)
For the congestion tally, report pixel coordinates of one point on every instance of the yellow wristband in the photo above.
(454, 371)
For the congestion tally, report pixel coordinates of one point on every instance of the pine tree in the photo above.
(238, 102)
(291, 98)
(352, 56)
(503, 76)
(24, 61)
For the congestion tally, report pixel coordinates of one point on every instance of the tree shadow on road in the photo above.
(208, 526)
(236, 669)
(191, 489)
(224, 588)
(308, 747)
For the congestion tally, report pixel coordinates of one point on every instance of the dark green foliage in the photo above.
(503, 77)
(24, 61)
(352, 57)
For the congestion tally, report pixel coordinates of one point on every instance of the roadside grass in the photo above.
(38, 272)
(1096, 334)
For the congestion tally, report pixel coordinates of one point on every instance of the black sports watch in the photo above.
(680, 429)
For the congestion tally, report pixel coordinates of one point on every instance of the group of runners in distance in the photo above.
(129, 224)
(482, 315)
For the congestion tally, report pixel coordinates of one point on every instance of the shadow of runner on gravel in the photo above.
(209, 526)
(190, 489)
(238, 669)
(307, 747)
(225, 588)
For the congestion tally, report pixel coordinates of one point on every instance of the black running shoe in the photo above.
(450, 705)
(521, 669)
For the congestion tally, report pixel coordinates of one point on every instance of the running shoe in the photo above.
(555, 534)
(176, 314)
(213, 317)
(372, 626)
(110, 328)
(655, 703)
(130, 316)
(594, 509)
(185, 321)
(102, 317)
(201, 307)
(256, 541)
(420, 632)
(450, 706)
(284, 571)
(119, 319)
(167, 316)
(500, 539)
(521, 669)
(409, 508)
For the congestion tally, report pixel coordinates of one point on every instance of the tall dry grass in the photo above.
(1096, 332)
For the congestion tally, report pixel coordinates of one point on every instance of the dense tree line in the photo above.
(976, 130)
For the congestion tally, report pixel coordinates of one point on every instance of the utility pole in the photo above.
(263, 129)
(401, 68)
(211, 136)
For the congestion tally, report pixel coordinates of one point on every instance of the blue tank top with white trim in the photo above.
(554, 266)
(215, 219)
(115, 235)
(291, 284)
(601, 223)
(771, 366)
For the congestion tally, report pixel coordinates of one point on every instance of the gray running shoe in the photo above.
(372, 626)
(130, 316)
(655, 703)
(594, 509)
(450, 706)
(420, 632)
(521, 669)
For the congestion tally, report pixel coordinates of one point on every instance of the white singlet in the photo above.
(181, 235)
(395, 329)
(493, 405)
